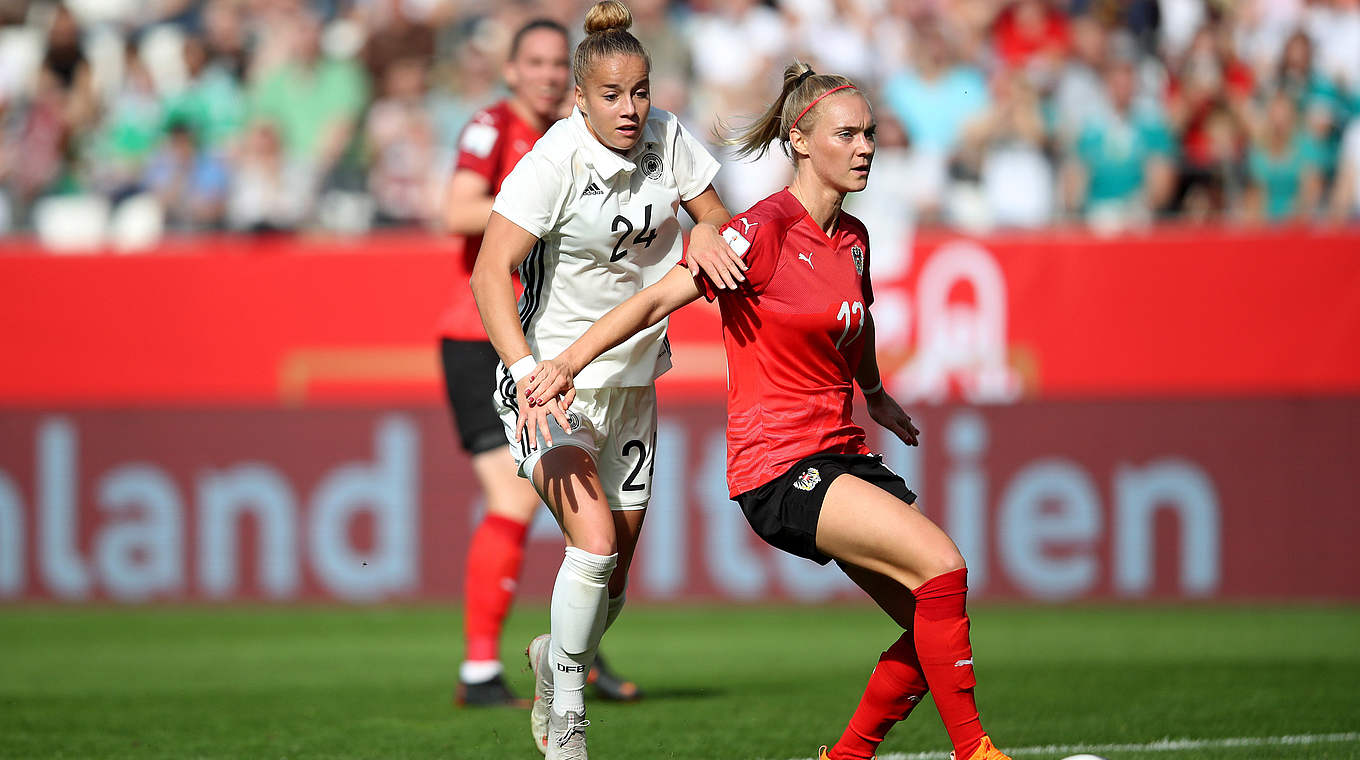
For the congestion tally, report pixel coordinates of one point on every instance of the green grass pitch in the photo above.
(769, 682)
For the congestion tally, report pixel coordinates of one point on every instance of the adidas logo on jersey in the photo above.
(592, 189)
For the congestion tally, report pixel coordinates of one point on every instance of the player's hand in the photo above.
(533, 418)
(885, 411)
(709, 253)
(550, 379)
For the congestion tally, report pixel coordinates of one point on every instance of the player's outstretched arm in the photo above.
(504, 248)
(882, 408)
(708, 252)
(554, 377)
(467, 203)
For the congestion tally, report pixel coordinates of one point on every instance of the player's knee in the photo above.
(599, 545)
(589, 566)
(945, 561)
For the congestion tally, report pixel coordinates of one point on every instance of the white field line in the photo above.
(1161, 745)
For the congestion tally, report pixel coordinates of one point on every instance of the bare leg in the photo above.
(570, 482)
(868, 528)
(507, 494)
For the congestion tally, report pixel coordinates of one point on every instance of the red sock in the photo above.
(493, 562)
(895, 687)
(947, 657)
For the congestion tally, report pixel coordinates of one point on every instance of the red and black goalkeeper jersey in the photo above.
(491, 144)
(794, 338)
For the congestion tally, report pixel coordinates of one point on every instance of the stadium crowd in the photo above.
(276, 115)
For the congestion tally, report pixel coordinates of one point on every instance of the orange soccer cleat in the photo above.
(822, 754)
(985, 751)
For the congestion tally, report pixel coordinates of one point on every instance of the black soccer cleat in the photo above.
(610, 685)
(493, 693)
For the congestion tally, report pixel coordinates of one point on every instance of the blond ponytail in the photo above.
(801, 87)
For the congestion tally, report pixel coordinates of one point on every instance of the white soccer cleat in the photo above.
(567, 736)
(543, 690)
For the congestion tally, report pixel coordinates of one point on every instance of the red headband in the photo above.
(817, 100)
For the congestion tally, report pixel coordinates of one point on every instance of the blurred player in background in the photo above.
(492, 143)
(588, 218)
(799, 335)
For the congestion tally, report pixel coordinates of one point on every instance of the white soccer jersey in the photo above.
(607, 228)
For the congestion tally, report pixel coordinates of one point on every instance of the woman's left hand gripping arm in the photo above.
(708, 251)
(882, 408)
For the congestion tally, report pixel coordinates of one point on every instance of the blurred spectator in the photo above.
(1283, 166)
(1079, 94)
(401, 140)
(270, 191)
(1334, 27)
(1209, 103)
(834, 35)
(1004, 150)
(738, 48)
(131, 128)
(1032, 35)
(39, 144)
(1180, 21)
(1122, 171)
(191, 184)
(1263, 27)
(1346, 191)
(1143, 109)
(315, 100)
(474, 83)
(394, 35)
(938, 97)
(212, 102)
(224, 37)
(1316, 99)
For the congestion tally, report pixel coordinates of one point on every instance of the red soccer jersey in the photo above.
(491, 144)
(794, 339)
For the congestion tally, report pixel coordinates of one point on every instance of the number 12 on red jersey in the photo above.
(847, 315)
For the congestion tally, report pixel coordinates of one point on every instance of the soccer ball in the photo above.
(1083, 757)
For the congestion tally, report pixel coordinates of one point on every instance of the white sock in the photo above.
(479, 671)
(579, 607)
(615, 607)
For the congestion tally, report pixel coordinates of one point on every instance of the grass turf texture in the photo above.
(728, 682)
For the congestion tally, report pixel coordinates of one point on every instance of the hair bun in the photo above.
(608, 15)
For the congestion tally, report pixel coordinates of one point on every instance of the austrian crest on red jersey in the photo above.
(857, 255)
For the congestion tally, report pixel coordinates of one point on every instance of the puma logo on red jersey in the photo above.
(748, 225)
(808, 258)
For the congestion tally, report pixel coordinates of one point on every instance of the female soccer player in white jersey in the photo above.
(799, 335)
(588, 217)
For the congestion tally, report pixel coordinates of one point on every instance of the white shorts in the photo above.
(616, 425)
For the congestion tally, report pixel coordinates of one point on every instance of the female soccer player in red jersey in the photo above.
(588, 217)
(798, 335)
(492, 143)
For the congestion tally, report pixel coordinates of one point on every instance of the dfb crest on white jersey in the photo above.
(651, 165)
(857, 255)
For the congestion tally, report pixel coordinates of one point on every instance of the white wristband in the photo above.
(874, 389)
(521, 369)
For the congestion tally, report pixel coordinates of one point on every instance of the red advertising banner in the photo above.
(1048, 500)
(1051, 316)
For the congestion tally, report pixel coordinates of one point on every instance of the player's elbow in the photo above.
(482, 280)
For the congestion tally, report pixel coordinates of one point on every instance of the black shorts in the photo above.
(469, 378)
(784, 511)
